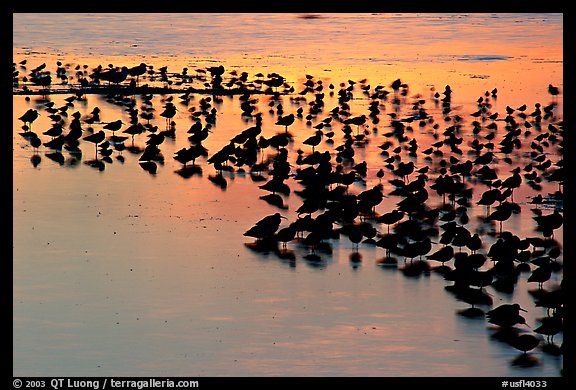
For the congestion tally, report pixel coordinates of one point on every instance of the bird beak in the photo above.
(283, 217)
(523, 310)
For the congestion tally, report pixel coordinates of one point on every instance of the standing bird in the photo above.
(286, 235)
(96, 138)
(314, 140)
(168, 113)
(525, 342)
(548, 223)
(114, 75)
(357, 120)
(506, 315)
(443, 254)
(474, 243)
(29, 116)
(550, 326)
(113, 126)
(265, 228)
(552, 90)
(501, 214)
(541, 274)
(355, 235)
(404, 169)
(513, 181)
(137, 71)
(390, 218)
(285, 121)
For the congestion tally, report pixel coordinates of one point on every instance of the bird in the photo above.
(274, 200)
(54, 131)
(35, 142)
(216, 70)
(549, 326)
(552, 90)
(114, 75)
(502, 213)
(274, 82)
(29, 116)
(548, 223)
(168, 113)
(404, 169)
(113, 126)
(513, 181)
(137, 71)
(285, 121)
(443, 254)
(266, 227)
(314, 140)
(506, 315)
(95, 138)
(474, 243)
(357, 120)
(133, 130)
(525, 342)
(286, 234)
(56, 143)
(541, 274)
(355, 235)
(186, 155)
(380, 174)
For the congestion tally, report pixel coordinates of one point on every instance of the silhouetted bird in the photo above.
(501, 214)
(29, 116)
(113, 126)
(313, 140)
(541, 274)
(137, 71)
(285, 121)
(525, 342)
(390, 218)
(489, 197)
(548, 223)
(286, 234)
(474, 243)
(550, 326)
(506, 315)
(357, 120)
(216, 70)
(513, 181)
(443, 254)
(114, 75)
(95, 138)
(552, 90)
(265, 228)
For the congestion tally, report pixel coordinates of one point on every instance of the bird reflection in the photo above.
(56, 157)
(525, 361)
(219, 181)
(149, 166)
(96, 163)
(189, 171)
(35, 160)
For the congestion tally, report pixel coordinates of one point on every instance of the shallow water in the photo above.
(124, 273)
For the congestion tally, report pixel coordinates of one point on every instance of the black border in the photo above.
(356, 6)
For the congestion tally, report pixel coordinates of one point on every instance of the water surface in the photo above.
(124, 273)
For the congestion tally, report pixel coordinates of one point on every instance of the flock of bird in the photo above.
(433, 186)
